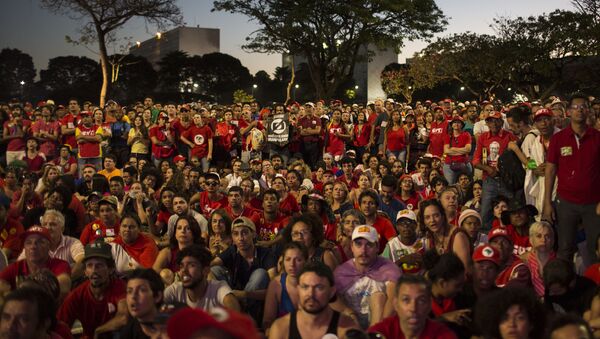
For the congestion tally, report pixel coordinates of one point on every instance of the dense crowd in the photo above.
(438, 220)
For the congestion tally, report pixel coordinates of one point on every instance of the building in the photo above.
(367, 74)
(192, 40)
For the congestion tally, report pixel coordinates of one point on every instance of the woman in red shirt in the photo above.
(396, 137)
(336, 134)
(457, 147)
(361, 134)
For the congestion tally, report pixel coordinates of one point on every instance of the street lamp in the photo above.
(356, 87)
(138, 44)
(22, 85)
(255, 86)
(158, 35)
(462, 88)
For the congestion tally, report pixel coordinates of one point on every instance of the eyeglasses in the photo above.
(211, 183)
(582, 106)
(301, 234)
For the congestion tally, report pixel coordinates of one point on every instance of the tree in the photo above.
(103, 18)
(240, 96)
(136, 78)
(175, 70)
(71, 76)
(397, 80)
(219, 75)
(542, 46)
(331, 36)
(15, 67)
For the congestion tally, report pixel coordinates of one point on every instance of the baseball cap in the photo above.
(457, 118)
(187, 321)
(498, 232)
(365, 232)
(36, 229)
(85, 113)
(468, 213)
(309, 104)
(243, 222)
(486, 252)
(406, 214)
(179, 158)
(163, 115)
(109, 199)
(97, 249)
(542, 112)
(494, 115)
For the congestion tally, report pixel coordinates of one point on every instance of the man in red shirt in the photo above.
(211, 199)
(490, 146)
(99, 302)
(439, 129)
(412, 305)
(368, 202)
(10, 230)
(270, 222)
(513, 271)
(236, 207)
(88, 138)
(139, 246)
(574, 159)
(202, 145)
(36, 245)
(107, 226)
(310, 130)
(68, 123)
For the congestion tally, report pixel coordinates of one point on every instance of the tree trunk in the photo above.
(104, 64)
(291, 83)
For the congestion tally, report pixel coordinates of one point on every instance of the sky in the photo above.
(26, 26)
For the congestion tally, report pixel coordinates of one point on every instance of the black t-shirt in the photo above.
(132, 330)
(238, 267)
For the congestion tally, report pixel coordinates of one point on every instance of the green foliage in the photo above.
(69, 76)
(15, 66)
(240, 96)
(331, 36)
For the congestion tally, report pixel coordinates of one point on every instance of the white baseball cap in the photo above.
(365, 232)
(408, 214)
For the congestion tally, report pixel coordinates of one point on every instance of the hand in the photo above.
(548, 212)
(459, 317)
(540, 170)
(491, 171)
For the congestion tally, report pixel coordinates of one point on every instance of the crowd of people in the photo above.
(438, 220)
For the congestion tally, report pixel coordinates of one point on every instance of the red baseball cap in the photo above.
(486, 252)
(494, 115)
(498, 232)
(178, 158)
(542, 112)
(186, 322)
(36, 229)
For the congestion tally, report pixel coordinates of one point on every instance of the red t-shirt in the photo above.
(47, 147)
(436, 137)
(179, 128)
(593, 273)
(268, 230)
(386, 231)
(161, 133)
(97, 229)
(227, 134)
(70, 121)
(81, 304)
(578, 165)
(521, 242)
(248, 212)
(411, 203)
(19, 269)
(200, 137)
(396, 139)
(362, 136)
(494, 146)
(17, 144)
(289, 206)
(89, 149)
(461, 141)
(335, 144)
(35, 164)
(10, 237)
(67, 166)
(207, 206)
(390, 328)
(309, 122)
(143, 250)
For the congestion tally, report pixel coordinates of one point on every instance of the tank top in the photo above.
(285, 304)
(295, 334)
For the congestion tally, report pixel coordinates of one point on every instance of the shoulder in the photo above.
(280, 327)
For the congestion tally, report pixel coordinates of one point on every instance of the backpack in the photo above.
(511, 171)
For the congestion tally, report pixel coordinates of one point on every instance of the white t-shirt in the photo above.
(200, 219)
(123, 261)
(358, 296)
(68, 249)
(216, 292)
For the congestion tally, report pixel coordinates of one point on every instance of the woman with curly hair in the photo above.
(308, 230)
(48, 179)
(511, 313)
